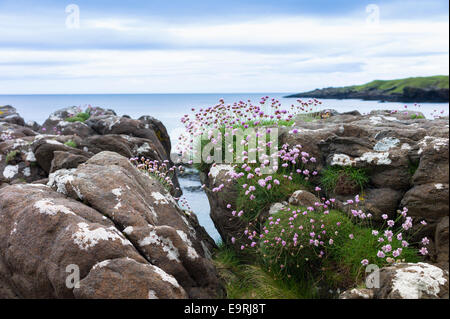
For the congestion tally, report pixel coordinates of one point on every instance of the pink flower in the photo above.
(425, 241)
(380, 254)
(233, 240)
(364, 262)
(423, 251)
(384, 216)
(351, 236)
(391, 223)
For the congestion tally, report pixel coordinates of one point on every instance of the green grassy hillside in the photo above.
(397, 86)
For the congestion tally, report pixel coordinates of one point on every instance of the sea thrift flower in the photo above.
(364, 262)
(425, 241)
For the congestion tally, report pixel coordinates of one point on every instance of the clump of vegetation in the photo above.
(246, 279)
(310, 247)
(346, 177)
(412, 167)
(416, 116)
(79, 117)
(213, 124)
(11, 156)
(159, 170)
(71, 143)
(299, 241)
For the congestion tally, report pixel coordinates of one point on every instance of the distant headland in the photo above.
(417, 89)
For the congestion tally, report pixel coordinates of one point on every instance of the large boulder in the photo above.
(45, 237)
(44, 149)
(57, 123)
(160, 130)
(9, 131)
(146, 212)
(428, 202)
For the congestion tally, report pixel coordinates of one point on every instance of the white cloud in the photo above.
(286, 53)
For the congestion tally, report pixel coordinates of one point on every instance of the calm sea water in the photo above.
(169, 108)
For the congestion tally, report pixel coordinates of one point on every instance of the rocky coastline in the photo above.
(70, 196)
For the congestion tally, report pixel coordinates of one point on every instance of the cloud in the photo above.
(122, 53)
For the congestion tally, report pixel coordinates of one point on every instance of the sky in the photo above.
(81, 47)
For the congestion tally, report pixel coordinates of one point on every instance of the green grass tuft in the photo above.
(10, 156)
(80, 117)
(332, 174)
(71, 143)
(248, 279)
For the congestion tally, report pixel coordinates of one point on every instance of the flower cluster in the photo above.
(159, 170)
(239, 115)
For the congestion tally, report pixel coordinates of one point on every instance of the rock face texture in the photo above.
(225, 223)
(146, 213)
(102, 131)
(405, 281)
(121, 228)
(97, 215)
(406, 161)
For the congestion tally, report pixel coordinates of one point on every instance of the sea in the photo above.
(169, 108)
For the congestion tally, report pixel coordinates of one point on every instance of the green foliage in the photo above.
(416, 116)
(71, 143)
(412, 167)
(331, 175)
(246, 278)
(80, 117)
(10, 156)
(397, 86)
(264, 197)
(341, 264)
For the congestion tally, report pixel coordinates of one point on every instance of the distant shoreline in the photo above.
(434, 89)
